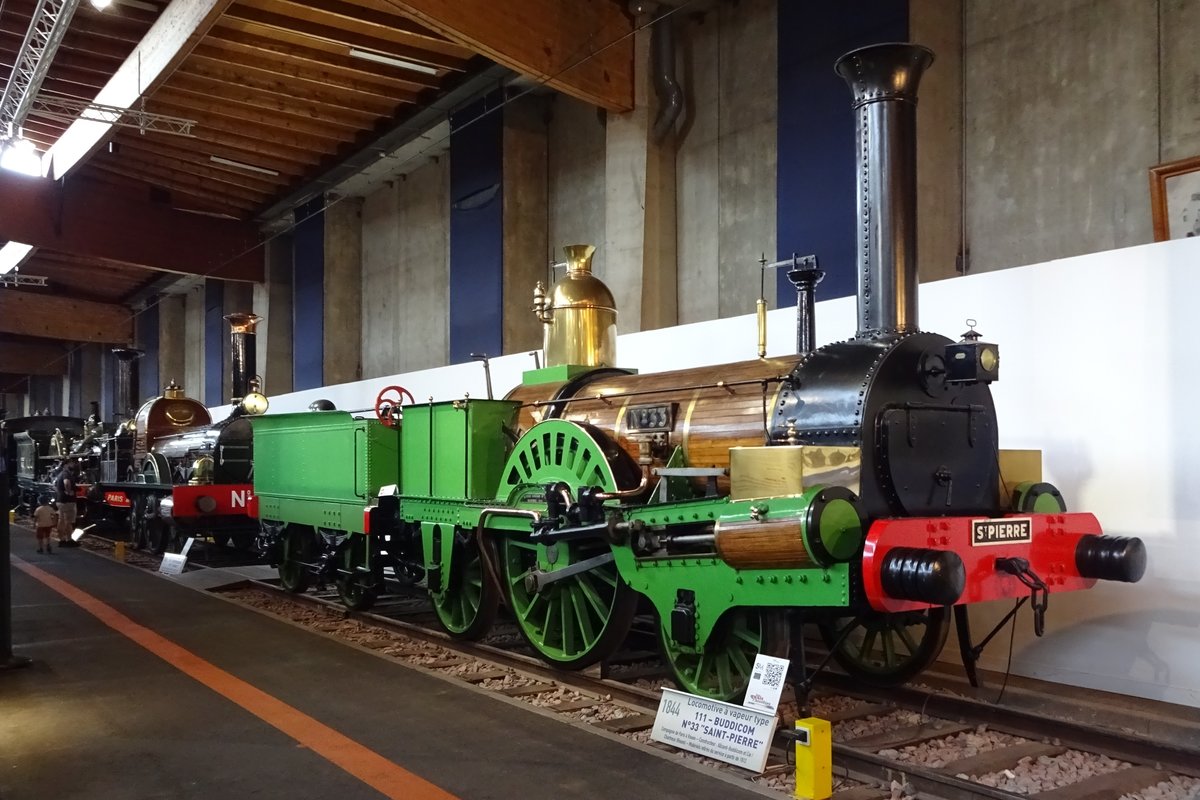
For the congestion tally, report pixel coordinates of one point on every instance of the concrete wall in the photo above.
(273, 302)
(405, 272)
(1067, 106)
(575, 155)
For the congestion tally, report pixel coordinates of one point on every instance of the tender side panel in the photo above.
(456, 450)
(321, 468)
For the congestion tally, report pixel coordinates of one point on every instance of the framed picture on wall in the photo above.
(1175, 199)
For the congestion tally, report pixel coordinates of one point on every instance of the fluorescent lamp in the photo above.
(231, 163)
(100, 5)
(11, 256)
(392, 61)
(21, 155)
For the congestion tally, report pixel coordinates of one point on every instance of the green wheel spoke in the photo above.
(740, 662)
(589, 593)
(583, 619)
(906, 637)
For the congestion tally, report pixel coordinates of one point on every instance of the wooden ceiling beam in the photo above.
(349, 38)
(233, 76)
(199, 163)
(229, 121)
(80, 217)
(237, 36)
(178, 201)
(247, 95)
(200, 105)
(583, 48)
(167, 146)
(32, 358)
(245, 141)
(300, 73)
(178, 28)
(49, 317)
(179, 175)
(388, 25)
(230, 202)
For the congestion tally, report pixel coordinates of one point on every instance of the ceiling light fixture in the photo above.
(392, 61)
(230, 163)
(100, 5)
(21, 155)
(12, 254)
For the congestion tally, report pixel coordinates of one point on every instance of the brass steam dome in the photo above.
(580, 315)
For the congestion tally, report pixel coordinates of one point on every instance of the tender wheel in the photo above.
(887, 649)
(299, 549)
(468, 604)
(721, 668)
(358, 590)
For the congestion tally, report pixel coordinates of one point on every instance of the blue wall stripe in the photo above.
(147, 365)
(308, 296)
(815, 186)
(214, 342)
(476, 230)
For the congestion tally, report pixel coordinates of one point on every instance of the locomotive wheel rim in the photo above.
(887, 649)
(721, 669)
(576, 621)
(469, 606)
(579, 620)
(297, 549)
(358, 591)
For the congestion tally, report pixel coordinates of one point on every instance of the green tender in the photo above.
(456, 449)
(322, 468)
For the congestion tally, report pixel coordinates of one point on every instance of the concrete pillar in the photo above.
(343, 293)
(576, 180)
(380, 280)
(171, 338)
(193, 342)
(1179, 71)
(747, 131)
(90, 356)
(937, 24)
(697, 182)
(423, 282)
(640, 265)
(273, 302)
(239, 298)
(526, 218)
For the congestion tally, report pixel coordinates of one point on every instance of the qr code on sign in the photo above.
(773, 675)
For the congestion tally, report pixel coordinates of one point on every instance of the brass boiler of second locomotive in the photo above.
(580, 316)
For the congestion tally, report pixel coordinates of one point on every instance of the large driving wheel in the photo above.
(721, 668)
(887, 649)
(577, 620)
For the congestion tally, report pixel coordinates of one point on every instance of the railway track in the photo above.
(887, 742)
(883, 738)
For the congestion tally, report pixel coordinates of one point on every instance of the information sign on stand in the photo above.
(724, 731)
(766, 683)
(173, 563)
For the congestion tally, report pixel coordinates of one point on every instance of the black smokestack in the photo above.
(883, 79)
(243, 352)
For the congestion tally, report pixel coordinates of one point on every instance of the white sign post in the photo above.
(734, 734)
(173, 563)
(766, 683)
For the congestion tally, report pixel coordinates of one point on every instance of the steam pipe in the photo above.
(883, 79)
(662, 65)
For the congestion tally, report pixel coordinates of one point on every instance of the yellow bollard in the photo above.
(119, 551)
(814, 759)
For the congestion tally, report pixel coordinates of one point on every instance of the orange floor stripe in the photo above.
(363, 763)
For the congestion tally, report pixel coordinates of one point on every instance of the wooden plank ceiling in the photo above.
(278, 97)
